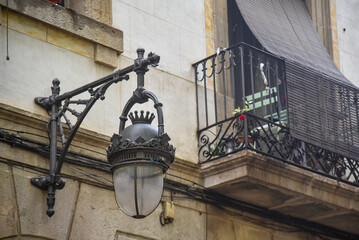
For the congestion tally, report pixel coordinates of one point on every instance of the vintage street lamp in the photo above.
(139, 155)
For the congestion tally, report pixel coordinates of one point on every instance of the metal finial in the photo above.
(140, 52)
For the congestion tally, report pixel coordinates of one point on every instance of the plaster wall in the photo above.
(34, 64)
(174, 30)
(348, 34)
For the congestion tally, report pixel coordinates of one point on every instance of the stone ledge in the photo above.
(256, 161)
(105, 56)
(269, 183)
(100, 10)
(47, 33)
(68, 20)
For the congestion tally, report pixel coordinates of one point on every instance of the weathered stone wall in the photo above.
(100, 10)
(86, 207)
(85, 211)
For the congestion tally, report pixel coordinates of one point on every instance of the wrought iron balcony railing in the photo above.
(258, 87)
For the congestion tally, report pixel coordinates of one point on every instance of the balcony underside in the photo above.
(278, 186)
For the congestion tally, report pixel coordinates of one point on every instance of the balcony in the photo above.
(247, 151)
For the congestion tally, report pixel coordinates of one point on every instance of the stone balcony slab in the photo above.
(269, 183)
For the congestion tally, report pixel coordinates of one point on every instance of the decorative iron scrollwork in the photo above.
(274, 140)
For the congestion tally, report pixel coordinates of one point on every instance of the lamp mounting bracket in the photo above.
(59, 105)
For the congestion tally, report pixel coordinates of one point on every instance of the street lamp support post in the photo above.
(149, 146)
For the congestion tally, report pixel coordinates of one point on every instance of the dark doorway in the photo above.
(256, 78)
(238, 30)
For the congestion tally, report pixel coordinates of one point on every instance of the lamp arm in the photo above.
(99, 94)
(152, 59)
(53, 181)
(45, 102)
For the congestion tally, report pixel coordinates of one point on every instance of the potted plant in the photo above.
(241, 117)
(218, 149)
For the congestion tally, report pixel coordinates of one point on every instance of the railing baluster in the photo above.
(232, 76)
(270, 89)
(214, 87)
(205, 91)
(196, 84)
(224, 85)
(279, 101)
(244, 97)
(260, 90)
(252, 80)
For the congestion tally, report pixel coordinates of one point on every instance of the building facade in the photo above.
(240, 191)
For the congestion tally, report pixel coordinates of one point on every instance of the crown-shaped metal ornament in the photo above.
(135, 118)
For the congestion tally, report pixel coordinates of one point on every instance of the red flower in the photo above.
(242, 117)
(60, 2)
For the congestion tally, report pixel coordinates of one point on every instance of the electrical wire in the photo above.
(185, 179)
(22, 132)
(92, 176)
(37, 135)
(219, 201)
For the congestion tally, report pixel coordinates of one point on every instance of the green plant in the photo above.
(279, 129)
(217, 150)
(240, 110)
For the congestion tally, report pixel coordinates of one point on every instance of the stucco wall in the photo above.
(173, 30)
(348, 34)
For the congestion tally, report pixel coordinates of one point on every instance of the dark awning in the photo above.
(284, 28)
(323, 104)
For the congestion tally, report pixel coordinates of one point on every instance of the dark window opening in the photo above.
(259, 81)
(238, 30)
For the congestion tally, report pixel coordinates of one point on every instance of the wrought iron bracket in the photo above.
(43, 102)
(59, 105)
(44, 182)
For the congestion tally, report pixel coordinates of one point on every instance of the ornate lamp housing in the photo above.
(139, 157)
(140, 154)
